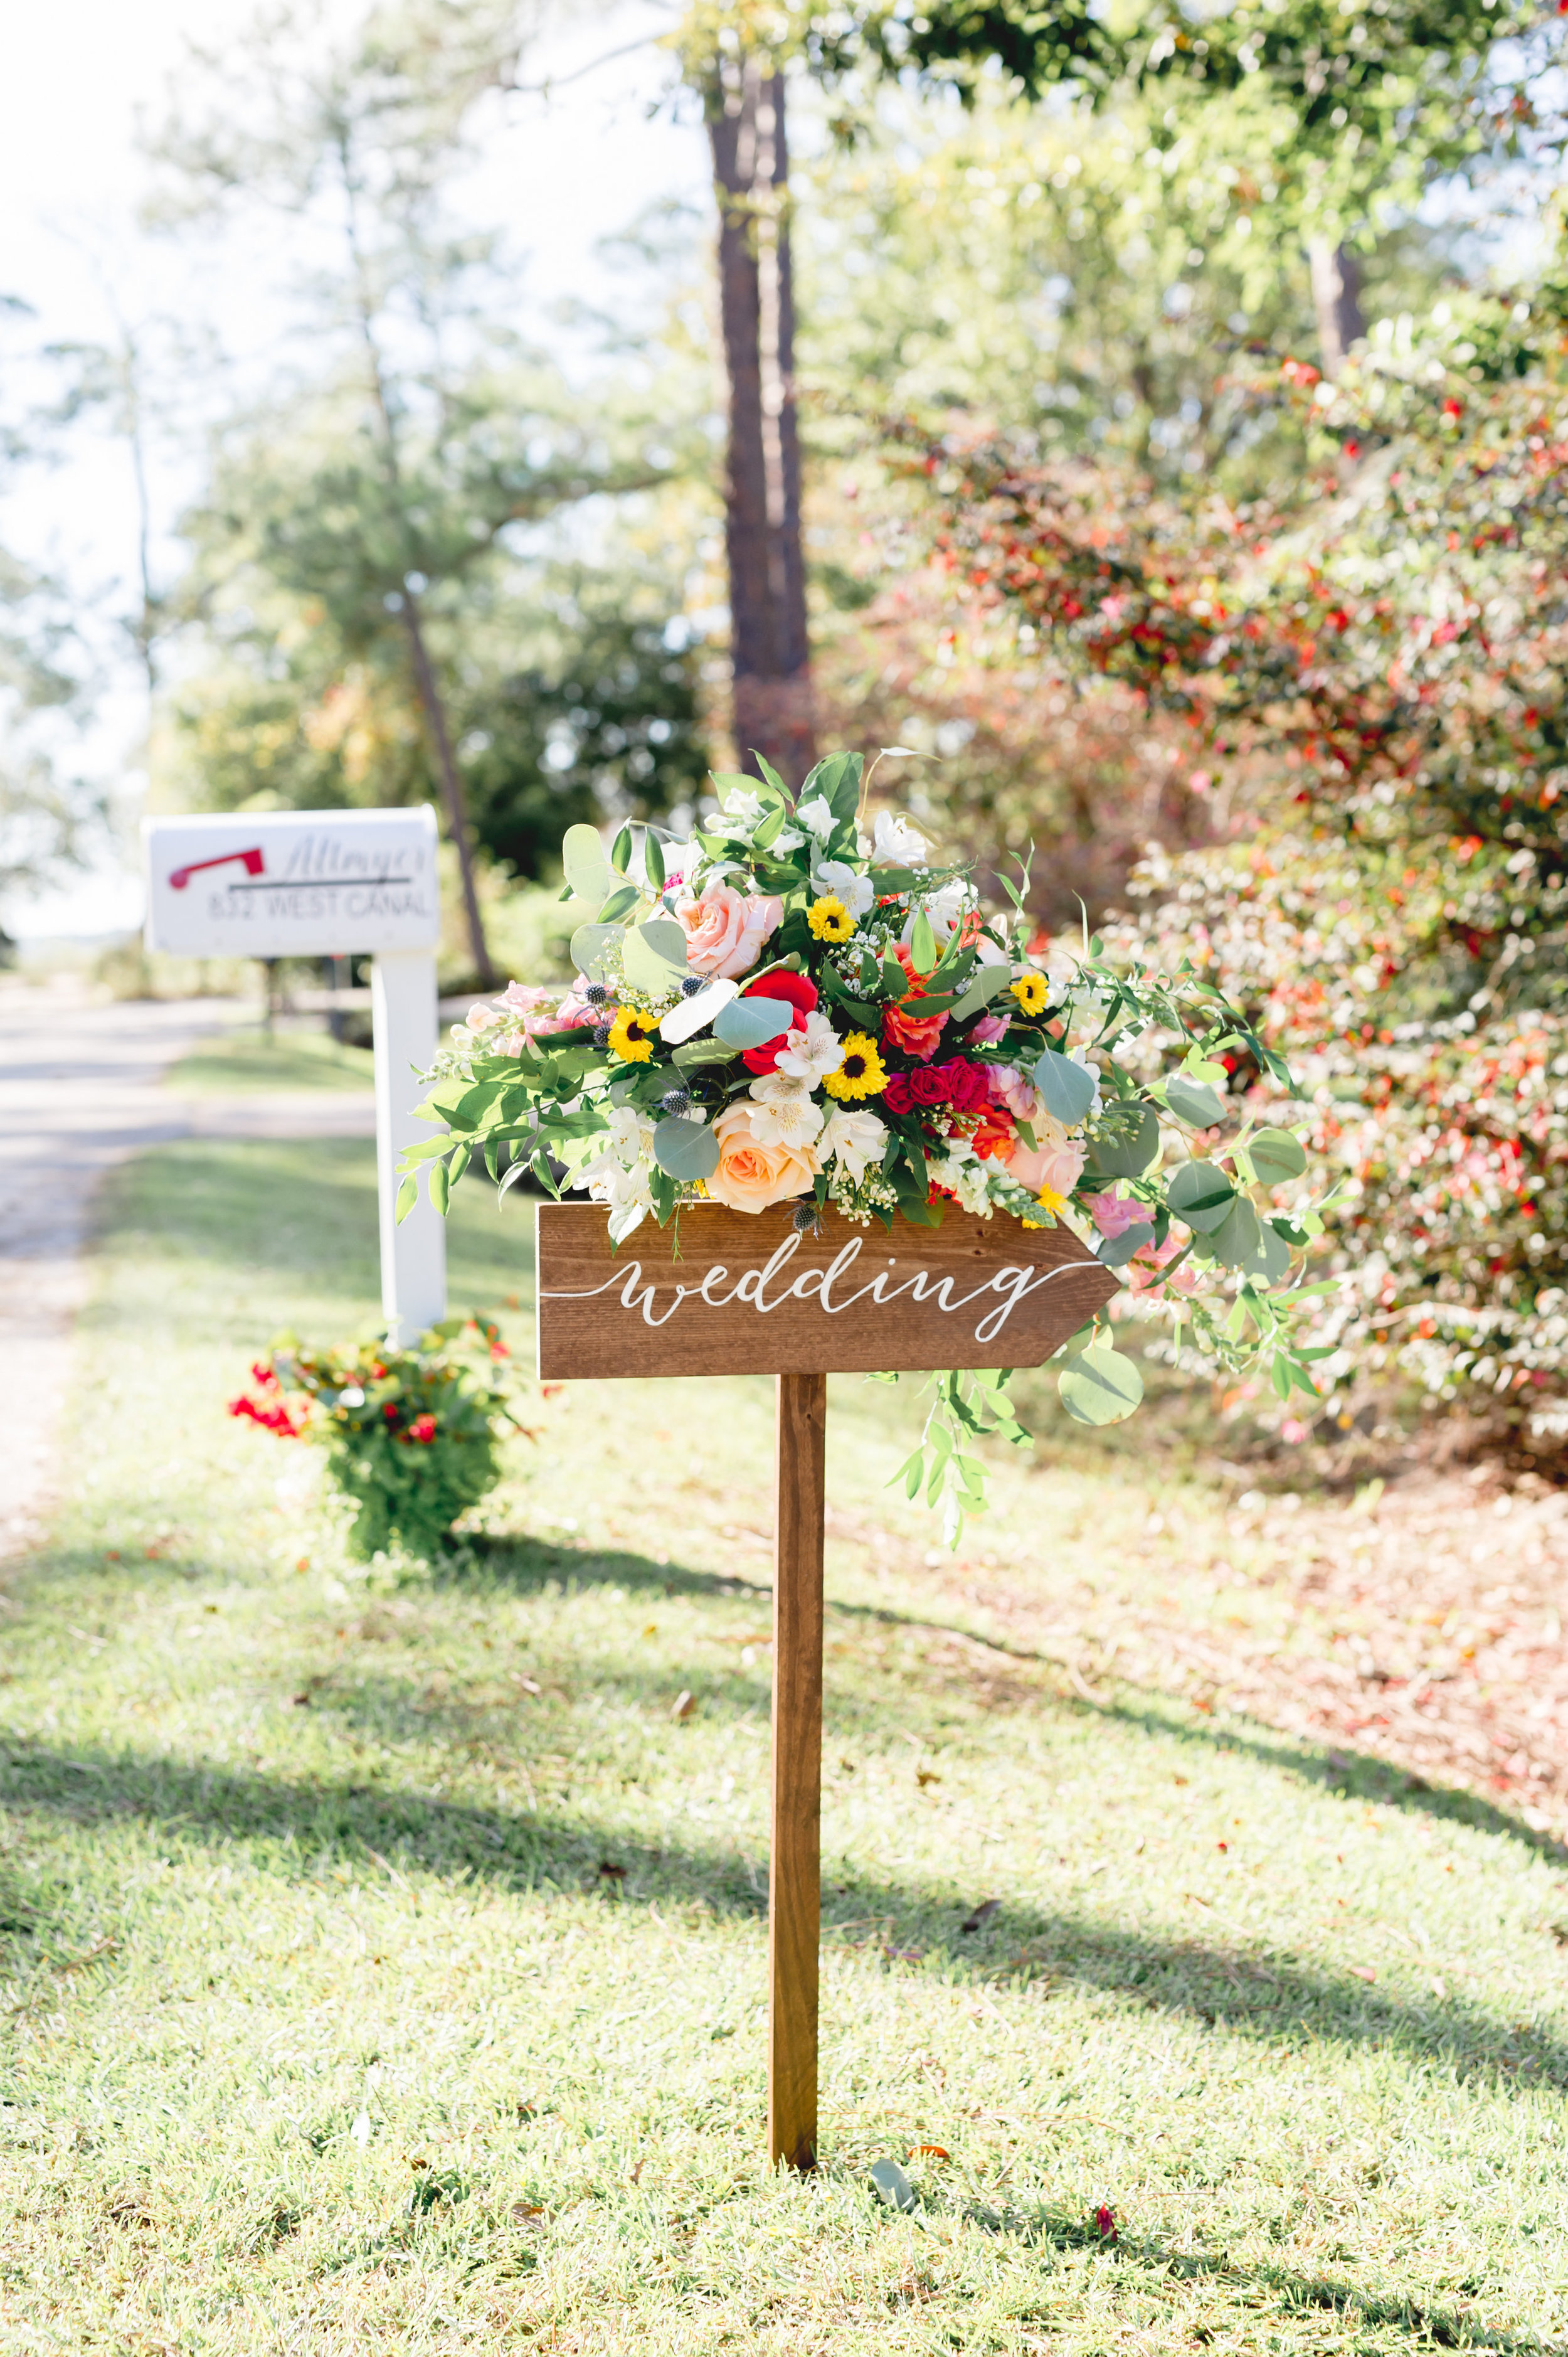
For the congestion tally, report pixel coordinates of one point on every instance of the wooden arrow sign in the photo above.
(737, 1294)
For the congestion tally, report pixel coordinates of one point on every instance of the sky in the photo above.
(83, 78)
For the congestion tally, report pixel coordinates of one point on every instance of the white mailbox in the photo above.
(328, 884)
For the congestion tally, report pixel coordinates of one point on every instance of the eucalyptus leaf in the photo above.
(1271, 1259)
(589, 943)
(1200, 1197)
(624, 897)
(698, 1052)
(1126, 1149)
(748, 1022)
(1100, 1386)
(1237, 1240)
(688, 1150)
(589, 871)
(1276, 1156)
(647, 960)
(986, 984)
(1194, 1101)
(653, 859)
(1117, 1251)
(1067, 1087)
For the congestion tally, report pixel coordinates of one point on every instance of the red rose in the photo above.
(930, 1087)
(801, 996)
(897, 1096)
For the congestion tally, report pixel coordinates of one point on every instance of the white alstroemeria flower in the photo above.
(812, 1052)
(817, 817)
(894, 840)
(945, 910)
(856, 1137)
(990, 953)
(836, 879)
(779, 1120)
(777, 1088)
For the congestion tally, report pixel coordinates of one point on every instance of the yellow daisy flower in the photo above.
(862, 1073)
(632, 1035)
(1032, 992)
(829, 919)
(1048, 1201)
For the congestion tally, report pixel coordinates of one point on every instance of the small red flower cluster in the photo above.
(270, 1415)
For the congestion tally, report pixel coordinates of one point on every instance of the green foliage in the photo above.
(410, 1435)
(1381, 666)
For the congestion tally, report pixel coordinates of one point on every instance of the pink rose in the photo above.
(1114, 1214)
(752, 1176)
(1053, 1160)
(989, 1028)
(1147, 1265)
(726, 929)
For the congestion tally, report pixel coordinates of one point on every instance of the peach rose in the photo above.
(1055, 1161)
(726, 929)
(750, 1176)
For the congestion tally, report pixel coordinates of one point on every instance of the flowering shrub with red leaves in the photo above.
(411, 1435)
(1383, 668)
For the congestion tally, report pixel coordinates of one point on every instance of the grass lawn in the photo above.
(387, 1964)
(238, 1061)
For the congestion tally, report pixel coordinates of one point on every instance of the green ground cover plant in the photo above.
(385, 1950)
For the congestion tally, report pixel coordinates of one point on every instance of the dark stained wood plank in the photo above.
(795, 1872)
(747, 1295)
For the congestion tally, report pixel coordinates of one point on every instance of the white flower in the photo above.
(788, 838)
(817, 816)
(944, 911)
(618, 1173)
(779, 1088)
(779, 1119)
(856, 1137)
(895, 840)
(810, 1054)
(838, 878)
(743, 811)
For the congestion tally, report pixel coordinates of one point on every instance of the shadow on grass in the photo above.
(298, 1827)
(528, 1567)
(1430, 2324)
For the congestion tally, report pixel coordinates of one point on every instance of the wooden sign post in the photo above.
(749, 1296)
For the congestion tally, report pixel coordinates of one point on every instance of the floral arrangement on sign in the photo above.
(794, 1010)
(410, 1434)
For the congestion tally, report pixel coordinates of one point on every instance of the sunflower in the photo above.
(1051, 1203)
(1032, 992)
(829, 919)
(632, 1035)
(862, 1073)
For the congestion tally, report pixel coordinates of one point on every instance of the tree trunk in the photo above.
(1337, 296)
(451, 784)
(772, 690)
